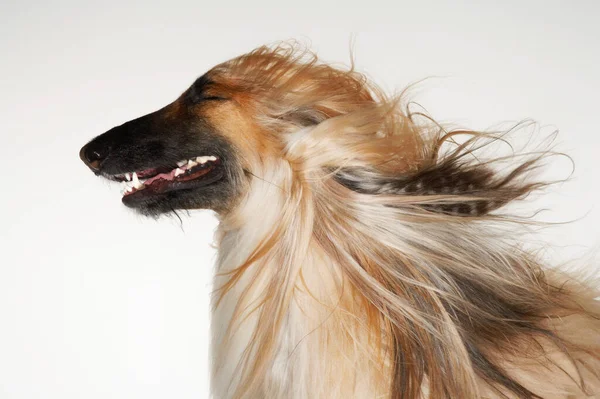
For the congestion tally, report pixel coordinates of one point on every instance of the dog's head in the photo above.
(279, 109)
(201, 150)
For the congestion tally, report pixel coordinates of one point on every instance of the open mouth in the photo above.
(189, 173)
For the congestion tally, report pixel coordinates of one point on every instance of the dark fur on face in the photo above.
(159, 140)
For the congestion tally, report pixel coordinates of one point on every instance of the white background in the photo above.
(97, 302)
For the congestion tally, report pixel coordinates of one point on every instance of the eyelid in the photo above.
(214, 98)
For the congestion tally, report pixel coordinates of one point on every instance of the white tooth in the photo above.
(181, 163)
(128, 176)
(201, 160)
(136, 182)
(212, 158)
(178, 172)
(129, 189)
(191, 164)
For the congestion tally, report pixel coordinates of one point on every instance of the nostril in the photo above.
(92, 156)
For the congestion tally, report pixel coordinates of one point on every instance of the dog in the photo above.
(364, 250)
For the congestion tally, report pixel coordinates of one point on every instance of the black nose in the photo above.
(92, 154)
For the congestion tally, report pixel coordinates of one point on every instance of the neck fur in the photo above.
(322, 292)
(284, 309)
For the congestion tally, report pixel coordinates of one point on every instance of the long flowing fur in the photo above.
(373, 256)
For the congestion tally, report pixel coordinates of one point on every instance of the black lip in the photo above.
(160, 191)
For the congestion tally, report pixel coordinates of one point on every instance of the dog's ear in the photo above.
(450, 187)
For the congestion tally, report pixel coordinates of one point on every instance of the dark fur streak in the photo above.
(444, 179)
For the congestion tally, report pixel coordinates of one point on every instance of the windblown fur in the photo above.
(364, 250)
(366, 260)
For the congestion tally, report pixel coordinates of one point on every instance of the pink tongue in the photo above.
(163, 176)
(170, 176)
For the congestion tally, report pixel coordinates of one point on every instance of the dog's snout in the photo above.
(92, 154)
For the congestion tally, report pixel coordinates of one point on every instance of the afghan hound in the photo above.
(364, 251)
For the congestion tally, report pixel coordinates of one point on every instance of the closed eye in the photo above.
(214, 98)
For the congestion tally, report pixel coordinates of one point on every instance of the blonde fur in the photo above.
(367, 258)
